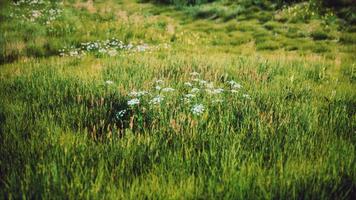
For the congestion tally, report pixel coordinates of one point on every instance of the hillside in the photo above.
(228, 99)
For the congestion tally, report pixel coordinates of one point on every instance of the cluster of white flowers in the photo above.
(195, 90)
(234, 85)
(246, 96)
(188, 84)
(109, 47)
(133, 102)
(197, 95)
(168, 89)
(36, 10)
(215, 91)
(198, 109)
(121, 113)
(28, 2)
(157, 100)
(188, 97)
(109, 82)
(138, 93)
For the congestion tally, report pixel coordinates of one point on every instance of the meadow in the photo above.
(225, 99)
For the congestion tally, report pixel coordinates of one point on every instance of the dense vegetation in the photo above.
(121, 99)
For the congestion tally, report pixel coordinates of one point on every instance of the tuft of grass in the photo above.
(320, 35)
(268, 45)
(348, 38)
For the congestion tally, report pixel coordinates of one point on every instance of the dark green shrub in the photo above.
(320, 35)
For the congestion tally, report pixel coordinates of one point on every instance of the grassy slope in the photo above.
(295, 137)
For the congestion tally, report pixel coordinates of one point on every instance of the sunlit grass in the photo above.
(235, 107)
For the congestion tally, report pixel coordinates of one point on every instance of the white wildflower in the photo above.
(168, 89)
(194, 74)
(188, 84)
(237, 86)
(112, 52)
(129, 46)
(156, 100)
(202, 82)
(189, 95)
(74, 53)
(35, 14)
(246, 96)
(109, 82)
(141, 48)
(218, 91)
(138, 93)
(234, 84)
(120, 114)
(133, 102)
(195, 90)
(102, 50)
(198, 109)
(159, 81)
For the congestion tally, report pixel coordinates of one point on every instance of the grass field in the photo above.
(123, 99)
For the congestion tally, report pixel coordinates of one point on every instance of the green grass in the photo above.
(61, 135)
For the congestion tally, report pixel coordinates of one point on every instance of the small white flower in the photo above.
(133, 93)
(129, 46)
(202, 82)
(73, 53)
(109, 82)
(141, 48)
(156, 100)
(235, 85)
(218, 91)
(101, 50)
(232, 82)
(159, 82)
(197, 109)
(112, 52)
(168, 89)
(234, 91)
(158, 87)
(195, 90)
(194, 74)
(188, 84)
(120, 114)
(36, 14)
(189, 95)
(138, 94)
(246, 96)
(133, 102)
